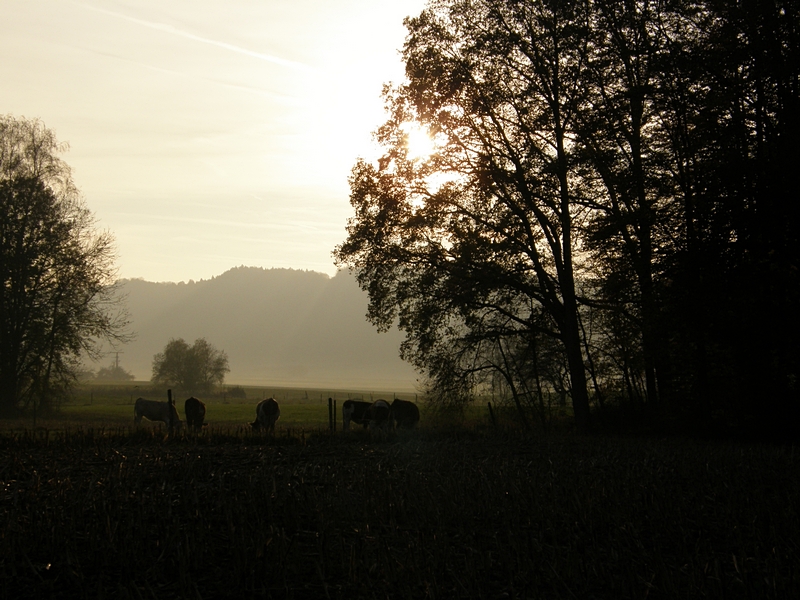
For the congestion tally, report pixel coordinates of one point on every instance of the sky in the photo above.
(208, 134)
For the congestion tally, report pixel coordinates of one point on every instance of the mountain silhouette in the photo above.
(277, 326)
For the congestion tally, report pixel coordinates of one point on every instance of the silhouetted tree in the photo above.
(56, 271)
(616, 177)
(473, 241)
(195, 368)
(734, 301)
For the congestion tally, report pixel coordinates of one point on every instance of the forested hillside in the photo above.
(277, 326)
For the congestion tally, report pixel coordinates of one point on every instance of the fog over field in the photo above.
(277, 326)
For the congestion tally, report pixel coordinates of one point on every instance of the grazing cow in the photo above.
(195, 412)
(267, 413)
(153, 410)
(405, 414)
(354, 411)
(379, 415)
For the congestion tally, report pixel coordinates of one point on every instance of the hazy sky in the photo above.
(207, 134)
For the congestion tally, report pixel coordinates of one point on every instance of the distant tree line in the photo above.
(609, 215)
(113, 372)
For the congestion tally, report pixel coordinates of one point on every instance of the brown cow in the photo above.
(405, 414)
(153, 410)
(195, 412)
(267, 413)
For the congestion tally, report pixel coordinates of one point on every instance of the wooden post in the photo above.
(491, 414)
(334, 415)
(330, 414)
(171, 403)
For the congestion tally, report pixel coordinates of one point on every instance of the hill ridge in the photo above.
(277, 326)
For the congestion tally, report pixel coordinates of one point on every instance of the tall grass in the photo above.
(132, 513)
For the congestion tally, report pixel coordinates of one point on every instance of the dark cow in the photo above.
(354, 411)
(267, 413)
(153, 410)
(195, 412)
(405, 414)
(379, 415)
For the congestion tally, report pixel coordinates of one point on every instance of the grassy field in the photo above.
(308, 416)
(425, 514)
(454, 509)
(110, 406)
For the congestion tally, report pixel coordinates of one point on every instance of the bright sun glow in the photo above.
(419, 143)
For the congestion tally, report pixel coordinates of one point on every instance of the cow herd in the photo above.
(377, 415)
(380, 414)
(153, 410)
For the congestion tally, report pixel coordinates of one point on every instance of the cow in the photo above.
(267, 413)
(405, 414)
(195, 412)
(354, 411)
(379, 415)
(153, 410)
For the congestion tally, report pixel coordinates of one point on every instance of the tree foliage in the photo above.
(609, 182)
(57, 272)
(114, 372)
(195, 368)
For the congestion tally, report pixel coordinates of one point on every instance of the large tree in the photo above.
(57, 271)
(614, 176)
(736, 303)
(195, 368)
(473, 248)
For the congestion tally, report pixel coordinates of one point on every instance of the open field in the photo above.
(439, 512)
(110, 406)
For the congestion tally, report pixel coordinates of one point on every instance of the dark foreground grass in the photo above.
(424, 515)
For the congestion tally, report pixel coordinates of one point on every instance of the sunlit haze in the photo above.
(419, 143)
(207, 135)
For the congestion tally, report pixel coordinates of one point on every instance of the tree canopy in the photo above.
(57, 271)
(195, 368)
(114, 372)
(608, 183)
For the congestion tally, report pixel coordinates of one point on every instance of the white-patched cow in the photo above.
(195, 412)
(354, 411)
(379, 415)
(153, 410)
(405, 414)
(267, 413)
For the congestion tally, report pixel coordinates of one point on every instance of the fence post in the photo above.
(334, 415)
(330, 414)
(171, 403)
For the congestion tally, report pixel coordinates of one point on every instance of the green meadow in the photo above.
(111, 406)
(217, 414)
